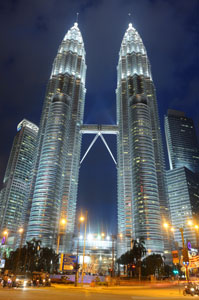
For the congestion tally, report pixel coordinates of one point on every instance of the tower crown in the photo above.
(132, 42)
(134, 54)
(71, 49)
(74, 34)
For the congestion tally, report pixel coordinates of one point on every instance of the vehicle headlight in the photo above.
(192, 289)
(44, 280)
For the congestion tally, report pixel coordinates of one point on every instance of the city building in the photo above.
(182, 144)
(100, 252)
(182, 178)
(142, 200)
(65, 92)
(13, 196)
(146, 207)
(183, 194)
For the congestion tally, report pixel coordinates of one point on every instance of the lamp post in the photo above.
(113, 256)
(197, 237)
(21, 232)
(81, 220)
(184, 249)
(4, 240)
(84, 246)
(120, 241)
(196, 227)
(5, 236)
(62, 224)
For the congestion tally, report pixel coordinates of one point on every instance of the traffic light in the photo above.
(175, 272)
(133, 266)
(185, 255)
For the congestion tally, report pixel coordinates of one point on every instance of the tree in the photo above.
(33, 257)
(139, 251)
(48, 260)
(153, 264)
(133, 257)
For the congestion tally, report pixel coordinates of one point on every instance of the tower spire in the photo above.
(77, 16)
(130, 24)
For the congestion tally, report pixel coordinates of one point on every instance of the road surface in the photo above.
(59, 292)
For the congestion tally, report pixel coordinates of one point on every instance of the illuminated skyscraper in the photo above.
(55, 178)
(182, 178)
(142, 200)
(183, 194)
(182, 144)
(13, 196)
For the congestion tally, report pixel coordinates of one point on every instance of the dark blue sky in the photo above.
(31, 32)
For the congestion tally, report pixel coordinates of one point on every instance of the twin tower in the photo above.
(142, 201)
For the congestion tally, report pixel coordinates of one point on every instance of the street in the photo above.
(62, 292)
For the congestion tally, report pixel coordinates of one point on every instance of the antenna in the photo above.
(130, 24)
(77, 17)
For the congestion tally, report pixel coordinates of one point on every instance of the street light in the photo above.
(62, 224)
(21, 232)
(85, 219)
(4, 240)
(196, 227)
(5, 237)
(81, 220)
(184, 249)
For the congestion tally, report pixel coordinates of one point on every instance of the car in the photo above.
(23, 281)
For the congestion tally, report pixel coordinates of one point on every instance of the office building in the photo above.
(182, 144)
(54, 197)
(142, 200)
(13, 196)
(183, 194)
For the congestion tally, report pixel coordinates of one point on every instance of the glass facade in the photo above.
(45, 210)
(68, 78)
(134, 77)
(13, 196)
(182, 144)
(183, 193)
(146, 208)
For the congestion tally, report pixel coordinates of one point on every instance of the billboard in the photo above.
(67, 261)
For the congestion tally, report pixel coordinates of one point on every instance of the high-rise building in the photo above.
(142, 198)
(182, 144)
(183, 194)
(13, 196)
(182, 178)
(54, 181)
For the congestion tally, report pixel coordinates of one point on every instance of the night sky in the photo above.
(30, 33)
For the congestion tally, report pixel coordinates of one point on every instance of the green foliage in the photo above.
(32, 257)
(153, 264)
(133, 258)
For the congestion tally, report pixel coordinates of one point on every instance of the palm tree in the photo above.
(138, 251)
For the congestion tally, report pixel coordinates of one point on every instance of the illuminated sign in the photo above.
(189, 245)
(2, 263)
(67, 262)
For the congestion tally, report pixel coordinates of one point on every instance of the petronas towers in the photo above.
(142, 200)
(55, 177)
